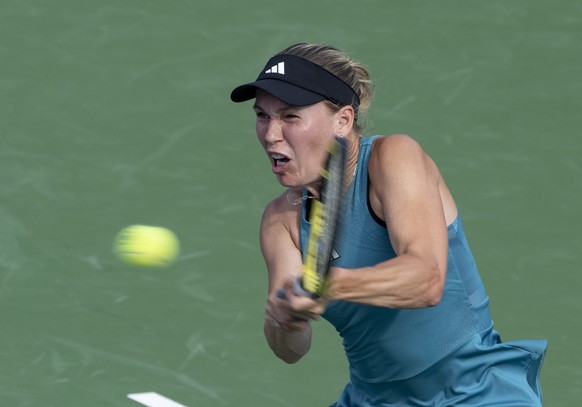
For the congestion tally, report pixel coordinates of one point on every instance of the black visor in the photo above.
(298, 82)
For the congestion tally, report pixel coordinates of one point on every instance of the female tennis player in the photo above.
(403, 291)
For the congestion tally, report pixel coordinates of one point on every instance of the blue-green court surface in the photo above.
(117, 112)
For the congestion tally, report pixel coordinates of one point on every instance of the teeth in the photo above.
(277, 156)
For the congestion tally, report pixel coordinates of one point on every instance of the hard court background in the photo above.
(116, 112)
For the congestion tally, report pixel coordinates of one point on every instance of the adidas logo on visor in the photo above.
(279, 68)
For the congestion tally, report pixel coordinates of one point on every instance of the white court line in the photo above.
(153, 399)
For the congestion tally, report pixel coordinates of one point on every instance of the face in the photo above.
(295, 138)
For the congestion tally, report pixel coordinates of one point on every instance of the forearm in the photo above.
(405, 281)
(288, 345)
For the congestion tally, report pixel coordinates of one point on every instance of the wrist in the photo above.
(334, 283)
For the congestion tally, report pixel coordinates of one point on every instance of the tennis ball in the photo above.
(148, 246)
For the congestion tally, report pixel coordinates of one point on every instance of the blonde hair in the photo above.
(344, 67)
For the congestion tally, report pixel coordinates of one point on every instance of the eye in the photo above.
(262, 115)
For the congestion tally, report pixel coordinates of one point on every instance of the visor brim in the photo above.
(291, 94)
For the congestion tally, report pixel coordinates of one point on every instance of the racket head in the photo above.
(324, 218)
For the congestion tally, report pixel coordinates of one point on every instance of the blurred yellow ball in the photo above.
(148, 246)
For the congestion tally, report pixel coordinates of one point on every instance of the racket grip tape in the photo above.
(297, 289)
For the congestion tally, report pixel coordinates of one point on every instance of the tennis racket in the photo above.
(324, 216)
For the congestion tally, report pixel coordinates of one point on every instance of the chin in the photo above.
(288, 183)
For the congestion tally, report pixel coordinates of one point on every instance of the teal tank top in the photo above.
(385, 344)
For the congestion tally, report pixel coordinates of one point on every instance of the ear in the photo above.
(345, 120)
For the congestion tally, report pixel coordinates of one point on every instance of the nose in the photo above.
(273, 132)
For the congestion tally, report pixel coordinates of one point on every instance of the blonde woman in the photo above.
(404, 292)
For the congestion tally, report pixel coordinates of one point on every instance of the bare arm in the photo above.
(288, 333)
(407, 192)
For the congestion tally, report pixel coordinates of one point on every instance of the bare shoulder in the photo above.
(282, 207)
(395, 145)
(398, 151)
(400, 166)
(281, 216)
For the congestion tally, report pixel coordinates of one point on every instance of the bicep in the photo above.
(405, 190)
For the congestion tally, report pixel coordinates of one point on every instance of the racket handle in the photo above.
(297, 289)
(282, 294)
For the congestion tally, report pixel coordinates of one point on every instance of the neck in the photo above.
(352, 159)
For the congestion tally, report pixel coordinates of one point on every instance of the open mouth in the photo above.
(279, 160)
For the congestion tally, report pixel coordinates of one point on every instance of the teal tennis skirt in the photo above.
(482, 372)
